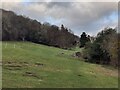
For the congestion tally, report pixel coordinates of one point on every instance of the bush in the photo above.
(104, 50)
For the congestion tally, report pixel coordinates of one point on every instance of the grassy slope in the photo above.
(58, 70)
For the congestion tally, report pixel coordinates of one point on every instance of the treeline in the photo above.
(21, 28)
(104, 48)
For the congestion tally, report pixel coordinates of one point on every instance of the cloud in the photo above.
(11, 0)
(78, 16)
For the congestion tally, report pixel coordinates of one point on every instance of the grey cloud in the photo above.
(79, 16)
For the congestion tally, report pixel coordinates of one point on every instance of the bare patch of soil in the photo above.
(30, 74)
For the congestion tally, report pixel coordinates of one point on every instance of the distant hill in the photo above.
(20, 28)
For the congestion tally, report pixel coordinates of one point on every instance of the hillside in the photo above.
(22, 28)
(30, 65)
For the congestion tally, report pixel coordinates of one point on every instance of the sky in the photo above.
(88, 16)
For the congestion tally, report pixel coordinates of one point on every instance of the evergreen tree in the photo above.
(84, 39)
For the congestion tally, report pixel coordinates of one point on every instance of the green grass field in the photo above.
(30, 65)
